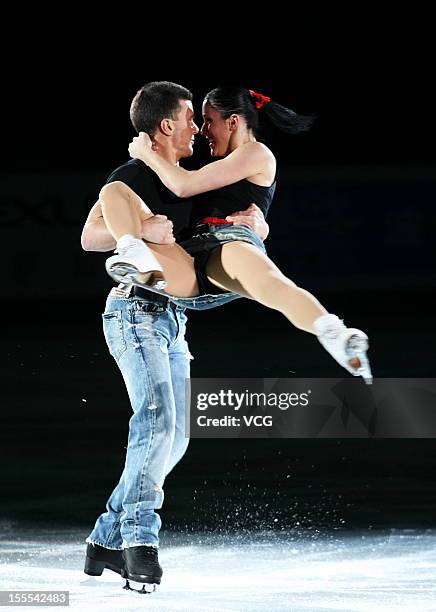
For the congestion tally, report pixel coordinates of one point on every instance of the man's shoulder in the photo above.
(132, 171)
(139, 177)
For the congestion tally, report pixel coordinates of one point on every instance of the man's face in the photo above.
(184, 130)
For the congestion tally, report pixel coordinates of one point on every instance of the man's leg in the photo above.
(138, 334)
(107, 527)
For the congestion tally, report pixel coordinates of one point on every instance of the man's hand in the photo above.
(253, 218)
(158, 229)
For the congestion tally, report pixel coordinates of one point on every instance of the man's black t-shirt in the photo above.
(159, 199)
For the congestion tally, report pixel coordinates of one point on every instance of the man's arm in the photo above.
(96, 236)
(254, 218)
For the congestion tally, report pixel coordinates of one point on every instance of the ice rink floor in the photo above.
(374, 572)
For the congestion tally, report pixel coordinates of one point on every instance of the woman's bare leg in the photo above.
(124, 212)
(178, 268)
(239, 265)
(243, 268)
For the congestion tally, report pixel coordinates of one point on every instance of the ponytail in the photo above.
(285, 119)
(250, 104)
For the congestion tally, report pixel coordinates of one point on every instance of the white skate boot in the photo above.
(347, 345)
(134, 263)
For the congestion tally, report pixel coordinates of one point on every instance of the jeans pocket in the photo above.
(114, 333)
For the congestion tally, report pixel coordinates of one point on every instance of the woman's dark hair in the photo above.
(247, 103)
(154, 102)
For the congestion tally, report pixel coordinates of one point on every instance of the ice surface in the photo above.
(270, 571)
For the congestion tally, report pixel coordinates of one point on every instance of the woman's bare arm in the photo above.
(247, 161)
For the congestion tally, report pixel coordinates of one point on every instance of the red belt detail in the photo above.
(216, 221)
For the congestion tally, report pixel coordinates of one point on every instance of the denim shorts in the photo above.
(201, 245)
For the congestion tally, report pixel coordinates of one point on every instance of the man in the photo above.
(145, 335)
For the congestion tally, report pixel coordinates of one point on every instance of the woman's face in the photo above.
(216, 130)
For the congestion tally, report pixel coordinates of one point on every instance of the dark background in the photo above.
(353, 222)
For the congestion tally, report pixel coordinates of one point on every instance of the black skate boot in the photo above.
(98, 558)
(142, 566)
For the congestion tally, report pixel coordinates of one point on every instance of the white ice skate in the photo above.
(134, 263)
(347, 345)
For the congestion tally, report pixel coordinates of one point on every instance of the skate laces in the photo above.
(331, 333)
(126, 250)
(357, 343)
(333, 330)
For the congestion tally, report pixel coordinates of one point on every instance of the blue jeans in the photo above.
(147, 341)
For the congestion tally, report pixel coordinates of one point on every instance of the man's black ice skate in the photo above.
(142, 566)
(99, 558)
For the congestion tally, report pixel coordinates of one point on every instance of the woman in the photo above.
(226, 257)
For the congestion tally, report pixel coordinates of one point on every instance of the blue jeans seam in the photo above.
(150, 413)
(115, 527)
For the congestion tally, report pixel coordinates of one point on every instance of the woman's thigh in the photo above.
(219, 266)
(239, 266)
(179, 270)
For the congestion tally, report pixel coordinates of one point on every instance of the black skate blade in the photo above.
(140, 587)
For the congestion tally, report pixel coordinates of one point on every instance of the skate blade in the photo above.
(140, 587)
(357, 346)
(128, 274)
(365, 370)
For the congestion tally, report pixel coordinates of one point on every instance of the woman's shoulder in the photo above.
(260, 151)
(260, 163)
(258, 147)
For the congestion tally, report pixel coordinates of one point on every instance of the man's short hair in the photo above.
(154, 102)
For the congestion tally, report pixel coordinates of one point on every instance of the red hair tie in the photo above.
(260, 98)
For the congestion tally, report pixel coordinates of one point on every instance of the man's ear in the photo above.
(166, 127)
